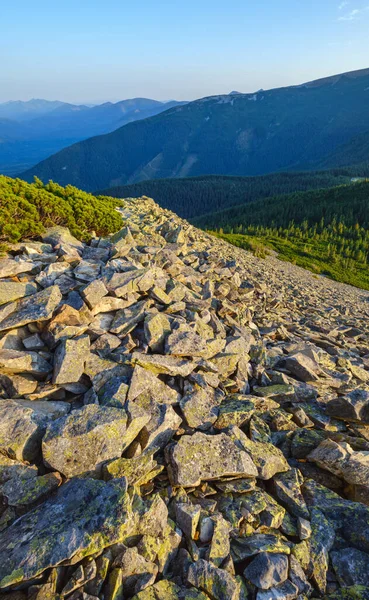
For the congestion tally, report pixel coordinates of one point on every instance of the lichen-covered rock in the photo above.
(351, 566)
(217, 583)
(25, 492)
(200, 406)
(16, 361)
(203, 457)
(39, 307)
(69, 525)
(23, 424)
(144, 380)
(268, 459)
(267, 570)
(288, 490)
(13, 290)
(84, 440)
(355, 405)
(70, 358)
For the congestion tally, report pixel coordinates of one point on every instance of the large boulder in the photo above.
(23, 424)
(40, 307)
(84, 440)
(82, 519)
(202, 457)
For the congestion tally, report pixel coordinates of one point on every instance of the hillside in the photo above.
(179, 420)
(193, 196)
(31, 131)
(27, 209)
(291, 128)
(326, 231)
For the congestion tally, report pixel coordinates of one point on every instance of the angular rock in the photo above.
(15, 361)
(12, 290)
(157, 328)
(143, 380)
(23, 424)
(353, 406)
(165, 365)
(39, 307)
(200, 406)
(185, 342)
(284, 591)
(126, 320)
(301, 366)
(94, 292)
(207, 457)
(267, 570)
(268, 459)
(217, 583)
(351, 566)
(25, 492)
(10, 267)
(70, 359)
(68, 525)
(81, 442)
(288, 491)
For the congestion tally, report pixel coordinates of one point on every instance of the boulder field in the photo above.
(179, 420)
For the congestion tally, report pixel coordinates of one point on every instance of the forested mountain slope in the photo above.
(293, 128)
(193, 196)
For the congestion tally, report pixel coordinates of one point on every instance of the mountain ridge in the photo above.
(290, 128)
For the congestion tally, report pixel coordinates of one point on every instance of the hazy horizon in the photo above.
(83, 54)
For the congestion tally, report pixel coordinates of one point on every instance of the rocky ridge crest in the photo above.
(179, 419)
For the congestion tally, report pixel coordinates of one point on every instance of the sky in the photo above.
(107, 50)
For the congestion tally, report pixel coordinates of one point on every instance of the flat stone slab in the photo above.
(81, 442)
(12, 290)
(39, 307)
(202, 457)
(82, 519)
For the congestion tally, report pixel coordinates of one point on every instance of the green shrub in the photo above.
(27, 209)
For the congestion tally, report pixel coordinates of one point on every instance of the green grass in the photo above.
(316, 255)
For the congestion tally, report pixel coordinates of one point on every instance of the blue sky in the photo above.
(98, 50)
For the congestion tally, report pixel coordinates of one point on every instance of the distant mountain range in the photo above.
(319, 124)
(31, 131)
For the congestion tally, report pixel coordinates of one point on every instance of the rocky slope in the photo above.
(179, 419)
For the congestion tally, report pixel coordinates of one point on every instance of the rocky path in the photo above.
(179, 419)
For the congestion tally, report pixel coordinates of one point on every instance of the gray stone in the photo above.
(206, 457)
(23, 424)
(15, 361)
(81, 442)
(200, 406)
(288, 491)
(39, 307)
(268, 459)
(10, 267)
(94, 292)
(217, 583)
(70, 359)
(126, 320)
(27, 491)
(301, 366)
(185, 342)
(145, 381)
(61, 235)
(12, 290)
(165, 365)
(69, 525)
(267, 570)
(353, 406)
(284, 591)
(351, 566)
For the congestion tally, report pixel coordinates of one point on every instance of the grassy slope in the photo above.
(326, 231)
